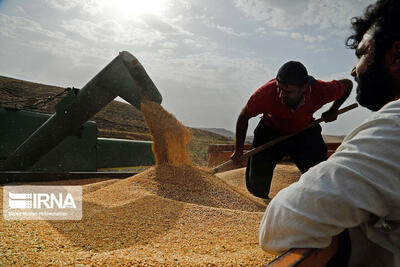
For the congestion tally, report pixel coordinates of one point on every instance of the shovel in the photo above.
(253, 151)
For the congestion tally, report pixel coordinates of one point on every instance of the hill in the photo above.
(227, 133)
(221, 131)
(116, 120)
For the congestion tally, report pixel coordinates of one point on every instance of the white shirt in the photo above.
(357, 188)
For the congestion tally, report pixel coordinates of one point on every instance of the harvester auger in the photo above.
(124, 76)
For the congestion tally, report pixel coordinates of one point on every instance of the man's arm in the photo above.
(331, 113)
(241, 130)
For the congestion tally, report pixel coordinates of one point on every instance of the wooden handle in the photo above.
(277, 140)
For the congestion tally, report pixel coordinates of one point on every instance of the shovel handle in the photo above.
(277, 140)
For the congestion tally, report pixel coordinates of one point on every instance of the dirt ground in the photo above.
(165, 216)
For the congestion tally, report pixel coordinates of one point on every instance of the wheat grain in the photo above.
(173, 214)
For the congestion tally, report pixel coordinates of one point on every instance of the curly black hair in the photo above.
(385, 16)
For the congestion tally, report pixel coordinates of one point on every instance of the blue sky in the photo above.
(205, 56)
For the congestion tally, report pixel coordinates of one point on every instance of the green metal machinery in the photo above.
(66, 141)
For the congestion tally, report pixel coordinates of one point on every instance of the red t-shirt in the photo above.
(280, 117)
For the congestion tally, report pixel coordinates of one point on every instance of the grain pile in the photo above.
(173, 214)
(285, 173)
(137, 222)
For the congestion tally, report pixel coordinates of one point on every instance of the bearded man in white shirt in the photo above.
(357, 190)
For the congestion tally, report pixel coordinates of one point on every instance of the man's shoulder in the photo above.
(385, 122)
(270, 85)
(267, 89)
(389, 112)
(391, 108)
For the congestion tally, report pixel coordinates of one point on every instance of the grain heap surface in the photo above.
(141, 223)
(173, 214)
(285, 174)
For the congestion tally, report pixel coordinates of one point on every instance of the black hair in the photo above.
(385, 16)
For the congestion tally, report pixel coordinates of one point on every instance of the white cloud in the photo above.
(192, 43)
(319, 48)
(169, 45)
(21, 10)
(186, 3)
(296, 35)
(282, 33)
(214, 72)
(19, 27)
(209, 22)
(301, 36)
(112, 31)
(261, 30)
(76, 52)
(163, 25)
(228, 30)
(31, 34)
(288, 14)
(165, 51)
(204, 77)
(62, 4)
(206, 84)
(91, 7)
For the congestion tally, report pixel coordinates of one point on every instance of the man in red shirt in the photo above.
(287, 103)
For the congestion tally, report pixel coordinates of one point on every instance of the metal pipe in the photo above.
(124, 76)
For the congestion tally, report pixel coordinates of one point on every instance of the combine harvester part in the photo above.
(76, 153)
(124, 76)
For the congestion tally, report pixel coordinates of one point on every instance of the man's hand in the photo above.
(241, 129)
(330, 115)
(236, 157)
